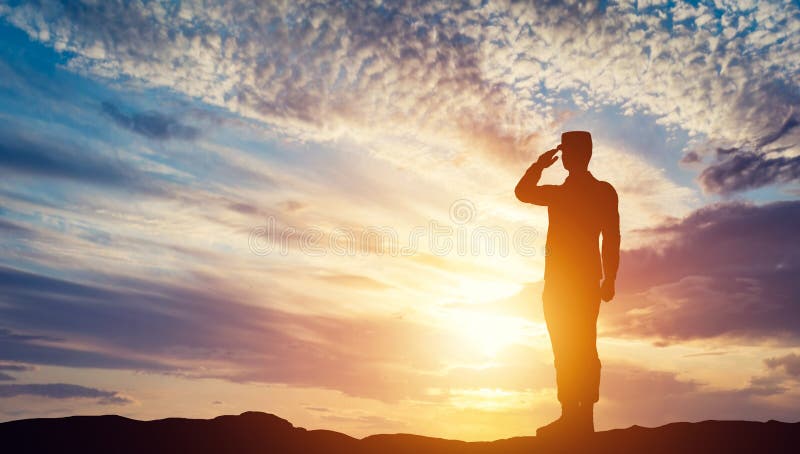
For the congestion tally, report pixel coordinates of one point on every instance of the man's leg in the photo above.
(558, 317)
(571, 314)
(560, 328)
(586, 338)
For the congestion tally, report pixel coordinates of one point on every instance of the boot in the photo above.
(585, 418)
(565, 425)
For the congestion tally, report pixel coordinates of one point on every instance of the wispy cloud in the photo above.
(153, 125)
(12, 368)
(27, 152)
(64, 391)
(196, 332)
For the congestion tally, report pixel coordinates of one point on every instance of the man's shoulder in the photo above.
(606, 188)
(605, 185)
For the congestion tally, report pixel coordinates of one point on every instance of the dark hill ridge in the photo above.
(255, 432)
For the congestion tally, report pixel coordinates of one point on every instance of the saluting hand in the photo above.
(547, 158)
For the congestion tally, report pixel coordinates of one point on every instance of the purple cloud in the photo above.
(724, 270)
(63, 391)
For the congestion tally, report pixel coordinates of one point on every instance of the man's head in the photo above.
(576, 150)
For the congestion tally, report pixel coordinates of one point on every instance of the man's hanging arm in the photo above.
(528, 189)
(610, 248)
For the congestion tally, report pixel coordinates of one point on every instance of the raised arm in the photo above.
(528, 189)
(611, 240)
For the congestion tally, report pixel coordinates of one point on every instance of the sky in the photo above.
(307, 209)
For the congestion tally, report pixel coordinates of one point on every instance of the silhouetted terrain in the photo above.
(255, 432)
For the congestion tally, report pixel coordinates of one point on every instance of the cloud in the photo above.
(153, 125)
(723, 271)
(763, 150)
(691, 158)
(28, 153)
(632, 394)
(622, 381)
(788, 126)
(135, 321)
(366, 422)
(10, 367)
(18, 231)
(63, 391)
(749, 170)
(202, 330)
(354, 281)
(41, 350)
(415, 72)
(489, 74)
(789, 363)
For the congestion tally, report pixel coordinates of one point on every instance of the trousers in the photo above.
(570, 311)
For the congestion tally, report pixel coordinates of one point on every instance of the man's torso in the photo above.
(576, 218)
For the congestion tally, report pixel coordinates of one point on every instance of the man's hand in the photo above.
(547, 158)
(607, 290)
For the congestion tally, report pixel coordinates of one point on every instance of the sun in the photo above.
(478, 291)
(476, 323)
(485, 333)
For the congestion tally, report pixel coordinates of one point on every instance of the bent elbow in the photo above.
(521, 195)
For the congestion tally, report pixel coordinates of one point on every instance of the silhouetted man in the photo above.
(579, 210)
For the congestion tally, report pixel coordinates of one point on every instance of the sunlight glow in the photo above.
(496, 399)
(487, 334)
(480, 291)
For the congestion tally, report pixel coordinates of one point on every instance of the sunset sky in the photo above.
(308, 209)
